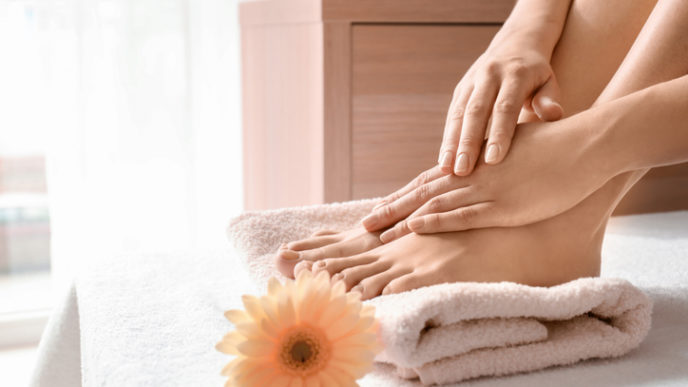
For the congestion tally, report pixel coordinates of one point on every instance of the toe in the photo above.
(345, 248)
(335, 265)
(285, 260)
(353, 275)
(323, 233)
(409, 282)
(313, 243)
(372, 286)
(302, 265)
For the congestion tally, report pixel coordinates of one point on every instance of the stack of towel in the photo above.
(451, 332)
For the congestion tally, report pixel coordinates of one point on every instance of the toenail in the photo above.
(289, 255)
(319, 265)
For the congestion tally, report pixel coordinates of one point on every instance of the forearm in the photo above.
(646, 129)
(537, 23)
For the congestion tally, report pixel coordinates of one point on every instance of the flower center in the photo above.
(304, 350)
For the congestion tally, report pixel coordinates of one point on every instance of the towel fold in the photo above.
(450, 332)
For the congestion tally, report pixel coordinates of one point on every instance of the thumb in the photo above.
(545, 102)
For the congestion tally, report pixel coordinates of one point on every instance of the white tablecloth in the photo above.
(153, 319)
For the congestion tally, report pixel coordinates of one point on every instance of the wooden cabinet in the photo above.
(346, 99)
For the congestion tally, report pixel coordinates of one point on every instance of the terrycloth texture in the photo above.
(152, 319)
(450, 332)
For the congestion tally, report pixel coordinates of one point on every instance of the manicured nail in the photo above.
(337, 277)
(445, 160)
(382, 203)
(387, 236)
(416, 224)
(461, 164)
(492, 153)
(289, 255)
(370, 221)
(357, 288)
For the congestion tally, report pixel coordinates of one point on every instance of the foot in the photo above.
(539, 255)
(325, 244)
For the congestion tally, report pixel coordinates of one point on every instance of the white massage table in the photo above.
(153, 320)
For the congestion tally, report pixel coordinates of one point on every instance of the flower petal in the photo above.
(274, 286)
(236, 316)
(313, 381)
(280, 381)
(226, 370)
(252, 305)
(287, 314)
(256, 348)
(341, 326)
(251, 331)
(333, 310)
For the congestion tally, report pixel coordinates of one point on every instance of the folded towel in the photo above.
(451, 332)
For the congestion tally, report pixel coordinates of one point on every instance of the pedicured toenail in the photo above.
(289, 255)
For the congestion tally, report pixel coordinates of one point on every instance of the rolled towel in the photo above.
(450, 332)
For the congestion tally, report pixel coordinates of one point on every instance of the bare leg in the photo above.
(554, 251)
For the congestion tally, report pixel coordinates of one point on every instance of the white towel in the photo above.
(450, 332)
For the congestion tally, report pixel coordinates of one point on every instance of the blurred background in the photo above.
(119, 132)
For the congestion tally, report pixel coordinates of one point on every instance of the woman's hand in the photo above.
(551, 168)
(512, 74)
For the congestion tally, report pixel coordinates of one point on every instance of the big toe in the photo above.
(286, 260)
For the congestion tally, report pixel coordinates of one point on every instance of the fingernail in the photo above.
(416, 224)
(382, 203)
(445, 160)
(289, 255)
(357, 288)
(461, 164)
(370, 221)
(283, 246)
(337, 277)
(492, 154)
(387, 236)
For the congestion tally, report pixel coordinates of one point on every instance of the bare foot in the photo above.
(542, 254)
(325, 244)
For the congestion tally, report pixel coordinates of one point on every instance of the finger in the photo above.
(402, 207)
(464, 218)
(452, 128)
(312, 243)
(504, 118)
(441, 203)
(475, 118)
(545, 102)
(423, 178)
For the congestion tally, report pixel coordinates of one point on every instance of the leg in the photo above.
(554, 251)
(597, 36)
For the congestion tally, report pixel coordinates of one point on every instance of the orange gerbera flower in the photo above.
(307, 332)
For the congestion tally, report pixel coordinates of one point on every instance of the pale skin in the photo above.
(554, 233)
